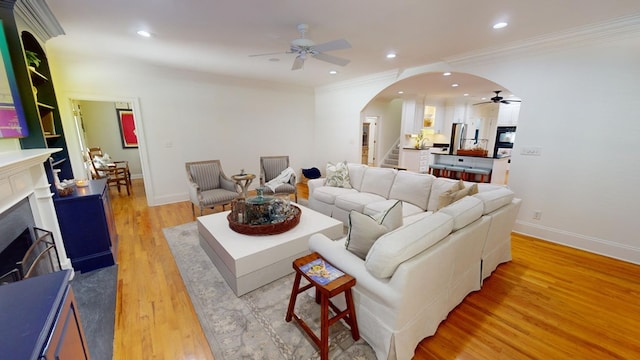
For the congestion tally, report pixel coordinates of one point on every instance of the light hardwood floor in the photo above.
(550, 302)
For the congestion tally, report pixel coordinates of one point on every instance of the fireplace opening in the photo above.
(13, 254)
(29, 255)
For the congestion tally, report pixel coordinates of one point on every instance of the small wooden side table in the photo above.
(243, 181)
(324, 293)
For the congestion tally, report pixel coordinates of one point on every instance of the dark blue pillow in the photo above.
(312, 173)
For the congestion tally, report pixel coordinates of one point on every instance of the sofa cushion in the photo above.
(328, 194)
(356, 201)
(405, 242)
(378, 181)
(378, 207)
(464, 211)
(356, 173)
(412, 187)
(495, 199)
(338, 175)
(439, 186)
(364, 230)
(449, 196)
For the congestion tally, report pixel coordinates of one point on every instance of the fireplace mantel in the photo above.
(12, 162)
(22, 175)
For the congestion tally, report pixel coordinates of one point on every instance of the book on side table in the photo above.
(321, 271)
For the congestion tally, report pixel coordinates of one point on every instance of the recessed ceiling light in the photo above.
(144, 33)
(455, 85)
(333, 72)
(500, 25)
(446, 74)
(400, 92)
(465, 95)
(391, 55)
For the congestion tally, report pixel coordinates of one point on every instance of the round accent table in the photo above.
(243, 181)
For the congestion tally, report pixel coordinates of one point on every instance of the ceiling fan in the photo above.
(498, 99)
(305, 48)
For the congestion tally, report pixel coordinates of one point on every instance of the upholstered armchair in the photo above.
(272, 167)
(208, 185)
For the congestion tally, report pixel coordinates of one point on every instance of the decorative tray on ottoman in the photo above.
(263, 215)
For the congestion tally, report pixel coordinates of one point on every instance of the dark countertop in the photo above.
(29, 308)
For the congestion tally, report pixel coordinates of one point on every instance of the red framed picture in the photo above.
(127, 129)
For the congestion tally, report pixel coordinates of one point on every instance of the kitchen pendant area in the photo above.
(459, 135)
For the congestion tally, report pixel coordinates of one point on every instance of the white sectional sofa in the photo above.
(413, 276)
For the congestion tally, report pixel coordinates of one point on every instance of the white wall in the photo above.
(388, 129)
(186, 116)
(580, 101)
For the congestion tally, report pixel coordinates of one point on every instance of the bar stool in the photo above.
(438, 170)
(456, 171)
(472, 173)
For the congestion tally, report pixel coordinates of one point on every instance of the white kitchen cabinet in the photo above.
(508, 114)
(415, 160)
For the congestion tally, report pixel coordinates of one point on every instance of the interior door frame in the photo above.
(140, 133)
(374, 135)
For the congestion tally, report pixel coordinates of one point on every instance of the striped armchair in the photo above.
(270, 168)
(208, 185)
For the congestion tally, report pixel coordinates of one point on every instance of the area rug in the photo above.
(95, 293)
(252, 326)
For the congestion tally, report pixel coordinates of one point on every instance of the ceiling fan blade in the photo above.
(298, 63)
(265, 54)
(509, 101)
(480, 103)
(332, 59)
(332, 45)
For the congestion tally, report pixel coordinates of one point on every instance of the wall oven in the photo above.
(505, 137)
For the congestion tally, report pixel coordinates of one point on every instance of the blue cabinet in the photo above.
(88, 226)
(40, 320)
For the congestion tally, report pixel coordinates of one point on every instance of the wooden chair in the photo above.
(96, 151)
(208, 185)
(117, 173)
(270, 168)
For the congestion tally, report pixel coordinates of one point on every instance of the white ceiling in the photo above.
(218, 36)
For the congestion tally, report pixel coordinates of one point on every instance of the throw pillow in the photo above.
(446, 197)
(338, 175)
(449, 197)
(364, 230)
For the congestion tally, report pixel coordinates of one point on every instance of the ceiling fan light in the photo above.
(500, 25)
(144, 33)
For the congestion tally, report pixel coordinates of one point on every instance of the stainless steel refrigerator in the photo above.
(458, 134)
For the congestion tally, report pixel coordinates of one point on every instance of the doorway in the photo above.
(369, 142)
(99, 123)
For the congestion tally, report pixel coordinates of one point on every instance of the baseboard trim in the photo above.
(591, 244)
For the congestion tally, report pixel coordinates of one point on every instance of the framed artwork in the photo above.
(13, 122)
(127, 128)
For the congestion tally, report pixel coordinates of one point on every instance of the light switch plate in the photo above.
(531, 151)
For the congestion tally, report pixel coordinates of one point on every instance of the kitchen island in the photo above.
(499, 166)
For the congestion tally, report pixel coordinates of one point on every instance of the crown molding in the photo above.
(622, 26)
(373, 79)
(39, 18)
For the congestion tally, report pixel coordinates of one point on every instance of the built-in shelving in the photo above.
(46, 130)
